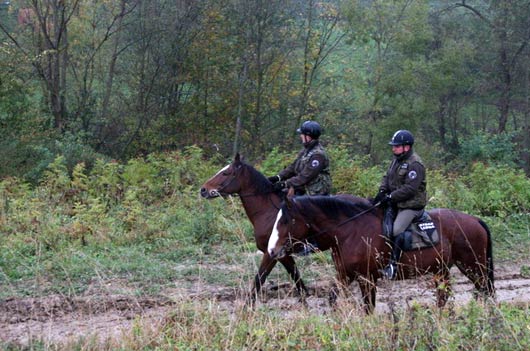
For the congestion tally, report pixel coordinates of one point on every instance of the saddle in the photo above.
(421, 233)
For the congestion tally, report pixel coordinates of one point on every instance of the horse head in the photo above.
(237, 178)
(225, 181)
(289, 230)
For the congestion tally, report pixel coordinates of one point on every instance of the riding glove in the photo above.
(278, 186)
(386, 200)
(382, 198)
(379, 197)
(274, 179)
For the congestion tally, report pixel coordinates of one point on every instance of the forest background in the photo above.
(117, 79)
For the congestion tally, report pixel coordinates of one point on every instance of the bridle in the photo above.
(227, 182)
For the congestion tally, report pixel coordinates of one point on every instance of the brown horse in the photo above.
(353, 231)
(261, 205)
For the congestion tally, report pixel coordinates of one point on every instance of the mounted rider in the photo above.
(309, 173)
(404, 188)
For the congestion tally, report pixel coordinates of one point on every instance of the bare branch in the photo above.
(475, 11)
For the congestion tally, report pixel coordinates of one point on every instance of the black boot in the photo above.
(390, 271)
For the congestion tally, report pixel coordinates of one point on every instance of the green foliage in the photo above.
(275, 161)
(351, 175)
(496, 150)
(56, 179)
(498, 191)
(407, 64)
(106, 182)
(74, 150)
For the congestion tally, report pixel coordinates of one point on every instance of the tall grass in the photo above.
(208, 325)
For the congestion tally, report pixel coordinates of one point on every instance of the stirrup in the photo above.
(389, 272)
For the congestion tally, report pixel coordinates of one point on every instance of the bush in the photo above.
(497, 191)
(492, 149)
(351, 176)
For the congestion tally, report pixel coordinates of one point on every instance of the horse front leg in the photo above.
(342, 282)
(368, 289)
(265, 267)
(442, 283)
(290, 265)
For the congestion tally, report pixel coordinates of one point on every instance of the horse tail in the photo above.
(489, 257)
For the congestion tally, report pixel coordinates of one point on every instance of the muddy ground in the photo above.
(103, 315)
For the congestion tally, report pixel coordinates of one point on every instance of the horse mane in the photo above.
(261, 182)
(331, 206)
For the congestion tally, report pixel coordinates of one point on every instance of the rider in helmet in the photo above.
(309, 173)
(404, 187)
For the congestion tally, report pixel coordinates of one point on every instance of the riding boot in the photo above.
(390, 271)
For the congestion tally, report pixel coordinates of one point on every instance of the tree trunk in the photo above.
(112, 64)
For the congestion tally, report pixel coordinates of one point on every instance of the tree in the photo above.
(395, 35)
(508, 23)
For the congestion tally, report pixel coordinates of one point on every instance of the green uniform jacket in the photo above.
(406, 182)
(309, 173)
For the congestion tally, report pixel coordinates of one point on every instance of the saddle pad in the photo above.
(423, 233)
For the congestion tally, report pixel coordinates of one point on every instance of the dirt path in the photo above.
(57, 319)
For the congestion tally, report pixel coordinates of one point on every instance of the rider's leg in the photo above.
(403, 220)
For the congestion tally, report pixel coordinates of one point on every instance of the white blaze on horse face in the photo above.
(275, 235)
(222, 170)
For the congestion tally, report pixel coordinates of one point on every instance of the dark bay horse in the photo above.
(261, 205)
(353, 231)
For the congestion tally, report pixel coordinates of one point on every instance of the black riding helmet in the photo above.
(402, 137)
(310, 128)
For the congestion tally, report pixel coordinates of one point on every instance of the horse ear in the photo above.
(238, 158)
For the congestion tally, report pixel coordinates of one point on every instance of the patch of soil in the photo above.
(104, 316)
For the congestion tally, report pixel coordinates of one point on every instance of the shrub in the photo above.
(497, 191)
(490, 148)
(351, 176)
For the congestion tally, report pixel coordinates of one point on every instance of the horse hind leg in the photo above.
(478, 275)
